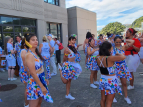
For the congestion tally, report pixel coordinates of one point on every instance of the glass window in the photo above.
(26, 29)
(51, 1)
(54, 2)
(7, 29)
(54, 32)
(32, 22)
(16, 21)
(53, 26)
(33, 30)
(57, 2)
(45, 0)
(24, 21)
(6, 20)
(17, 28)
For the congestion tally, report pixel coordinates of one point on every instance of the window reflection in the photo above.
(7, 29)
(54, 2)
(26, 29)
(17, 28)
(16, 21)
(6, 20)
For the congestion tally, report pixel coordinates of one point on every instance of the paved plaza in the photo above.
(80, 89)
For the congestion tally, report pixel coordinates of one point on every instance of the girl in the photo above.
(70, 70)
(37, 84)
(85, 45)
(108, 81)
(91, 62)
(132, 58)
(122, 70)
(10, 57)
(23, 71)
(45, 49)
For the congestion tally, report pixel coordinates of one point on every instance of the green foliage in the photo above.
(137, 23)
(113, 28)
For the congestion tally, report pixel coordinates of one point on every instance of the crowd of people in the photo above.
(115, 58)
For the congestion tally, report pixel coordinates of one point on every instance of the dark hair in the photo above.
(88, 35)
(90, 41)
(108, 34)
(104, 48)
(100, 35)
(28, 37)
(19, 36)
(72, 47)
(134, 31)
(23, 43)
(117, 37)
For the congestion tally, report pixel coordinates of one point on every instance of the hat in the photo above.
(49, 35)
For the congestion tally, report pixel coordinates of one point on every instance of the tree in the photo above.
(113, 28)
(137, 23)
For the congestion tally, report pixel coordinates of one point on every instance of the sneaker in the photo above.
(130, 87)
(12, 79)
(59, 67)
(53, 74)
(93, 86)
(26, 106)
(128, 100)
(69, 97)
(96, 82)
(9, 79)
(114, 100)
(119, 83)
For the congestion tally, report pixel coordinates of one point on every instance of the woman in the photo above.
(101, 40)
(23, 71)
(132, 58)
(108, 81)
(70, 70)
(122, 70)
(45, 49)
(37, 84)
(10, 57)
(91, 62)
(85, 45)
(110, 39)
(77, 55)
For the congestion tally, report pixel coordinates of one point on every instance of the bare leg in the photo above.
(124, 84)
(103, 98)
(91, 77)
(9, 72)
(95, 75)
(12, 72)
(109, 100)
(68, 85)
(132, 81)
(62, 78)
(40, 102)
(25, 95)
(86, 60)
(142, 61)
(34, 103)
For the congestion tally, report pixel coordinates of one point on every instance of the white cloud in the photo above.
(100, 27)
(110, 8)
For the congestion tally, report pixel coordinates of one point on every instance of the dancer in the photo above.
(91, 62)
(52, 59)
(10, 57)
(108, 81)
(77, 55)
(37, 84)
(23, 72)
(122, 70)
(101, 40)
(45, 49)
(18, 49)
(110, 39)
(85, 45)
(132, 58)
(70, 70)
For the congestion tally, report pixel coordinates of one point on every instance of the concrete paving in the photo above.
(80, 89)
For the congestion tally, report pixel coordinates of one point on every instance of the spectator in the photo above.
(58, 52)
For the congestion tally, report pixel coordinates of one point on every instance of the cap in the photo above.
(49, 35)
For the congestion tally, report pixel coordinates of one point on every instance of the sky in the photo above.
(124, 11)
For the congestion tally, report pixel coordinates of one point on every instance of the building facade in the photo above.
(80, 21)
(33, 16)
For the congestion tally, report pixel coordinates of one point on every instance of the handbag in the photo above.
(61, 46)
